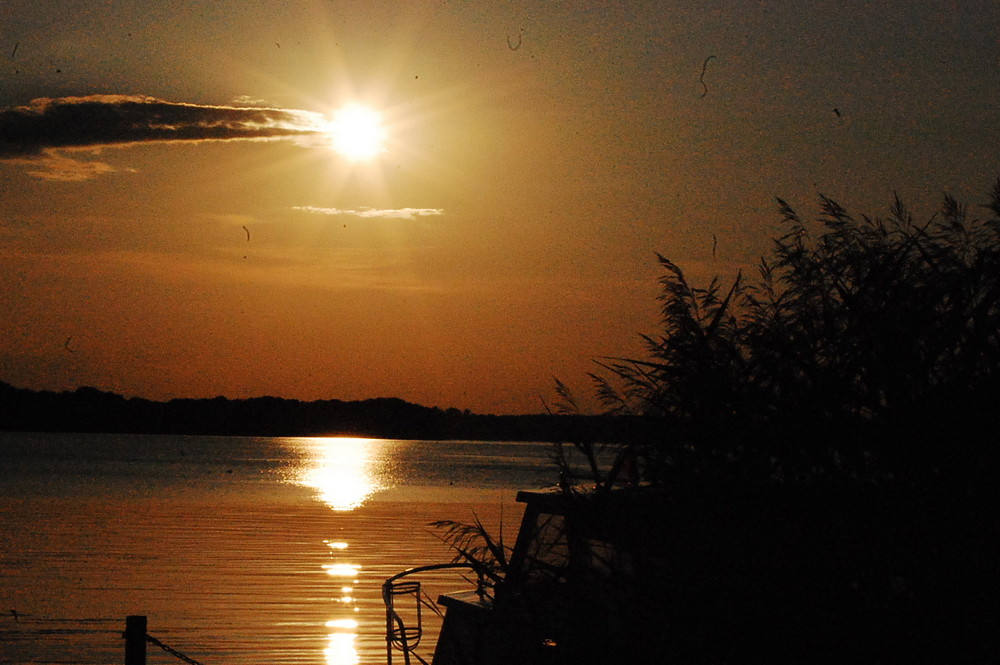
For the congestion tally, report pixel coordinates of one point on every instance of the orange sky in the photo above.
(538, 155)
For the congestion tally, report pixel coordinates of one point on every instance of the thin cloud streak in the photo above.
(62, 168)
(368, 213)
(105, 120)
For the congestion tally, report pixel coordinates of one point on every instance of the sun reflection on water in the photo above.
(343, 471)
(341, 648)
(341, 569)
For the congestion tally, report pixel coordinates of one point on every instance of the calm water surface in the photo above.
(239, 550)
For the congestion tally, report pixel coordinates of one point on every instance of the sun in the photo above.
(356, 133)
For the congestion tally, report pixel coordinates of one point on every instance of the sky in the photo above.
(175, 220)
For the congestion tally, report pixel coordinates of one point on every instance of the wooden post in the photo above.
(135, 640)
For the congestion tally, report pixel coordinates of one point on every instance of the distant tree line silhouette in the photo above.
(87, 409)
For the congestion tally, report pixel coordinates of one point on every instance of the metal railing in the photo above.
(398, 635)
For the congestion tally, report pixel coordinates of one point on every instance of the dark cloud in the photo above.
(96, 120)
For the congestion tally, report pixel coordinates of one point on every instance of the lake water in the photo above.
(238, 550)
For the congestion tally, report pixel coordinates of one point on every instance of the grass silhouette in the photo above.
(814, 479)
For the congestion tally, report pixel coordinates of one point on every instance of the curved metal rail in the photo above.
(398, 635)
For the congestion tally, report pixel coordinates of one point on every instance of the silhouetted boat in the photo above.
(581, 583)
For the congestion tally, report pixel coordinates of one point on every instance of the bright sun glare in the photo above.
(342, 470)
(356, 132)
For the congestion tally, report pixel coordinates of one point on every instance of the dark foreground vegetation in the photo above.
(91, 410)
(823, 487)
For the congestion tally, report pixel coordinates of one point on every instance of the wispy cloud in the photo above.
(105, 120)
(247, 100)
(393, 213)
(52, 165)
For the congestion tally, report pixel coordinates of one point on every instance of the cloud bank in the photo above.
(396, 213)
(100, 120)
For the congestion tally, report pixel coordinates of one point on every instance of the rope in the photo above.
(172, 652)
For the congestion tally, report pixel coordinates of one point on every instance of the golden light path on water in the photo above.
(344, 473)
(341, 470)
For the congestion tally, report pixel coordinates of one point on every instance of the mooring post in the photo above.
(135, 640)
